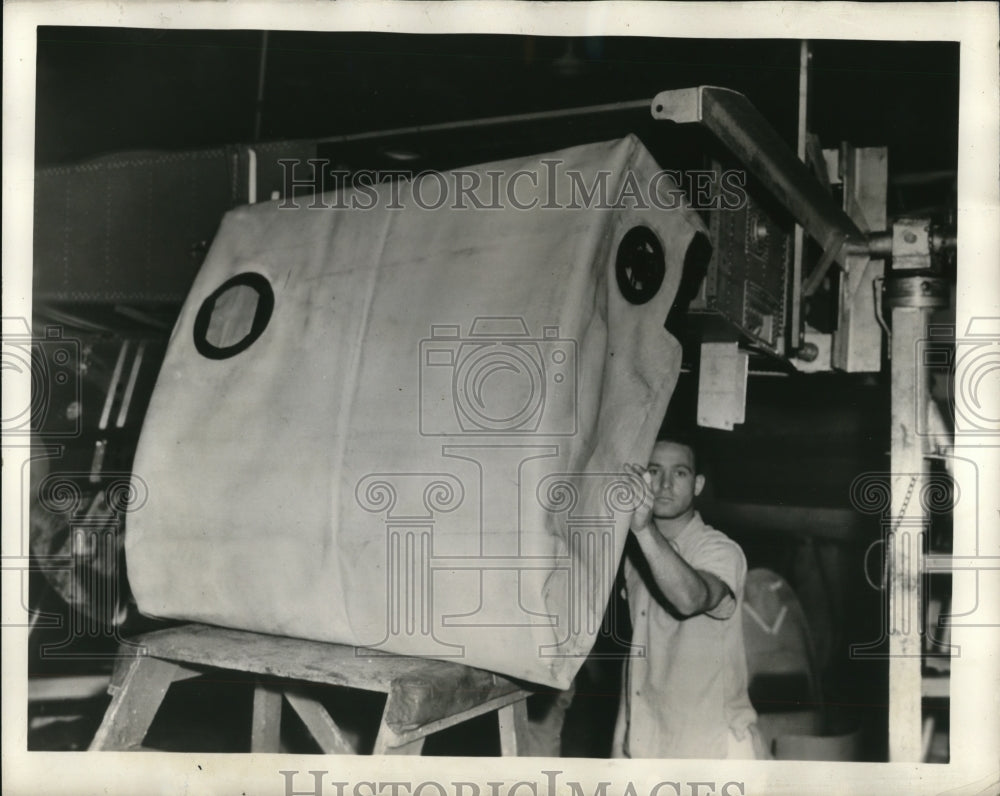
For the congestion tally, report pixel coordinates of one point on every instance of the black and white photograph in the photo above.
(479, 399)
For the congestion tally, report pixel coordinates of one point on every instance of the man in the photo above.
(685, 684)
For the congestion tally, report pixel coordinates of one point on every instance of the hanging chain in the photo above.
(899, 522)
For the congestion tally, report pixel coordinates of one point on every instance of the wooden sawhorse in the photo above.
(423, 695)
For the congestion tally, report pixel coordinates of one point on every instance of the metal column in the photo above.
(912, 299)
(905, 542)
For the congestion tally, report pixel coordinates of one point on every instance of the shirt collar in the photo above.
(693, 525)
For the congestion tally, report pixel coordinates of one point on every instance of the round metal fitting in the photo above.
(915, 291)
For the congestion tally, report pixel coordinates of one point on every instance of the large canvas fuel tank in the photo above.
(396, 415)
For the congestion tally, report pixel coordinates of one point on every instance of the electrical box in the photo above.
(748, 275)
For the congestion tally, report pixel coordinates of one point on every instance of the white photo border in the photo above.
(975, 724)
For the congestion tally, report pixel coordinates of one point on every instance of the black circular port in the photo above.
(640, 266)
(232, 318)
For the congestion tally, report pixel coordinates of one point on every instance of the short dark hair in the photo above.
(682, 438)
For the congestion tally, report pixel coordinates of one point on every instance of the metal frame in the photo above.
(740, 127)
(734, 121)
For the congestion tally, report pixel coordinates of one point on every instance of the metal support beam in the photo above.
(857, 343)
(905, 544)
(795, 316)
(745, 133)
(489, 121)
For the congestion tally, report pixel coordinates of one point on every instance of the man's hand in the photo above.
(643, 514)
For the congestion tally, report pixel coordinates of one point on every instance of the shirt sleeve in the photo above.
(719, 555)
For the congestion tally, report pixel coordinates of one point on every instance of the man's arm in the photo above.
(690, 591)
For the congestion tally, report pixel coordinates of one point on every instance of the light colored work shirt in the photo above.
(685, 683)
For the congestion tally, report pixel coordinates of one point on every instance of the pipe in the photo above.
(489, 121)
(261, 74)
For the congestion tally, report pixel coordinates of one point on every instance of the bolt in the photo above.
(808, 352)
(760, 232)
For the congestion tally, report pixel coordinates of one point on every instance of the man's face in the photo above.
(675, 484)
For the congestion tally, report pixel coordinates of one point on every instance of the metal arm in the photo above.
(744, 132)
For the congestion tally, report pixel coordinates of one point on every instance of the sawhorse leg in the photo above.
(513, 721)
(387, 743)
(320, 724)
(137, 687)
(512, 718)
(265, 735)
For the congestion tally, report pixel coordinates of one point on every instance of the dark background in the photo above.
(105, 90)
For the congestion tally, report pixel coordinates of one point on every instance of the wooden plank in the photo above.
(134, 705)
(265, 734)
(450, 721)
(67, 687)
(417, 699)
(513, 722)
(320, 724)
(123, 668)
(298, 659)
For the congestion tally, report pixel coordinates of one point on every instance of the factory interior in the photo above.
(145, 139)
